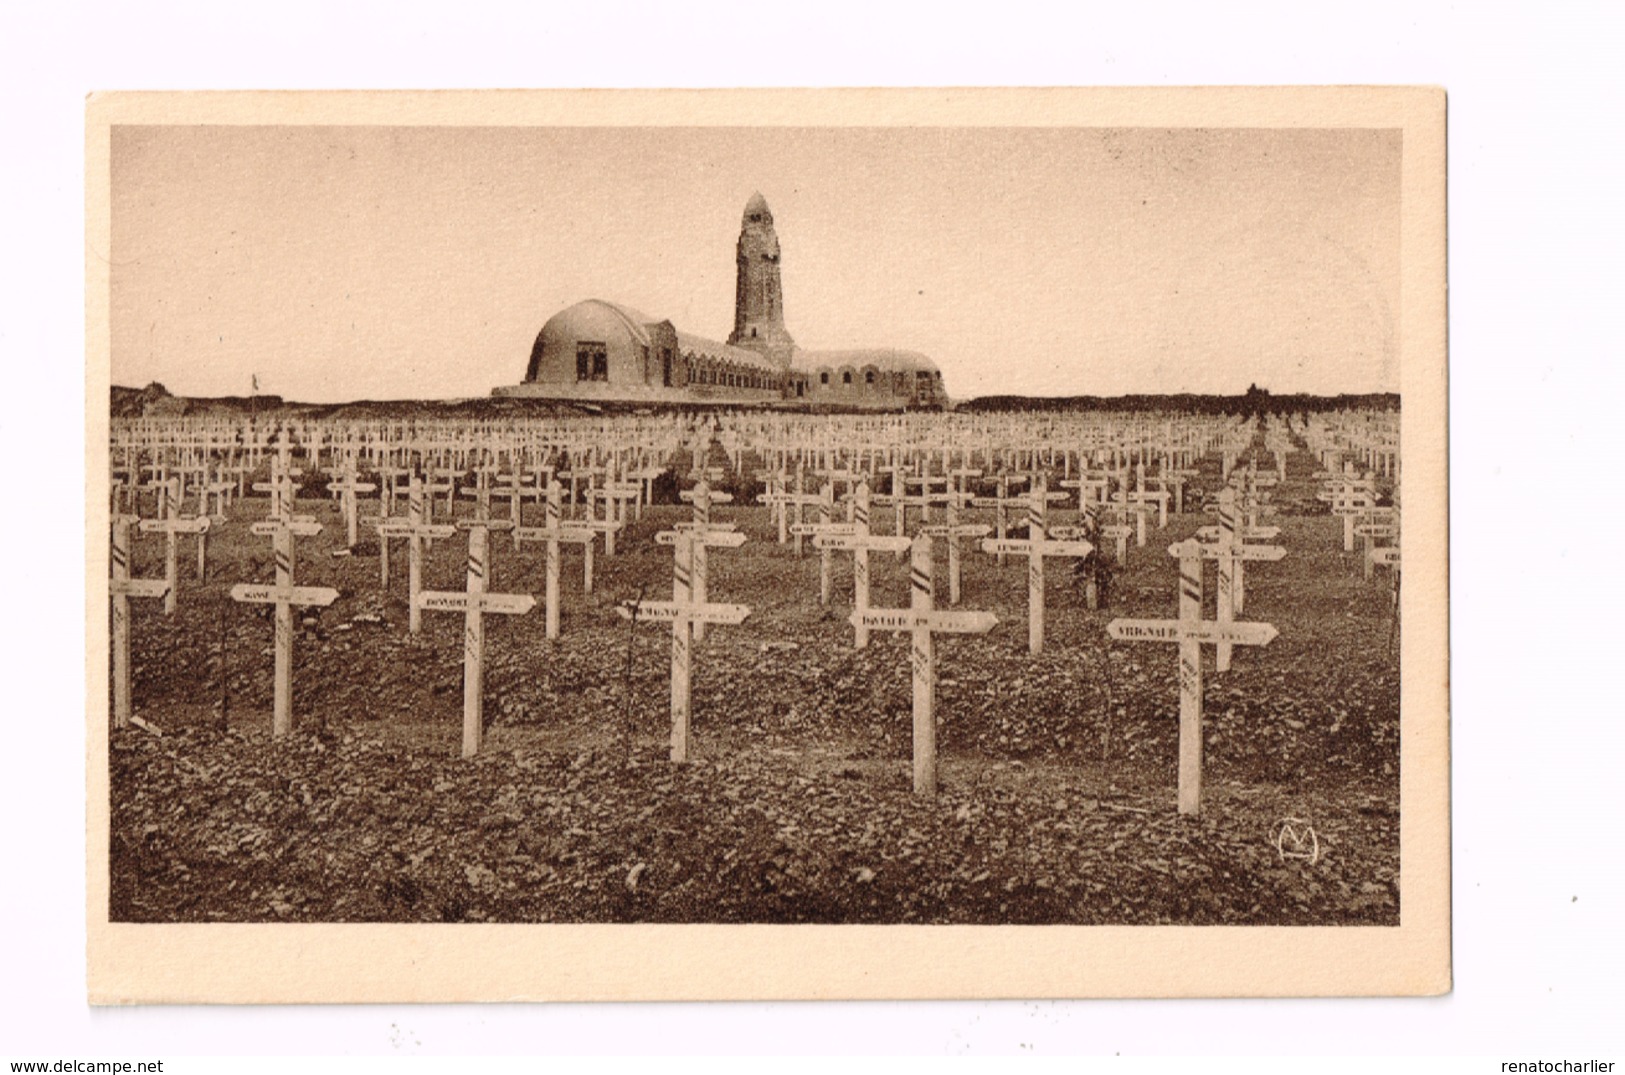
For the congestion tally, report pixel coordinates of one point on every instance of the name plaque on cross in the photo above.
(272, 527)
(727, 539)
(253, 593)
(905, 620)
(1210, 632)
(403, 529)
(1254, 533)
(670, 611)
(453, 601)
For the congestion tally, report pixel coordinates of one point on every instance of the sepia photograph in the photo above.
(794, 544)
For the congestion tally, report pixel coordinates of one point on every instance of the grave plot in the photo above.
(1056, 772)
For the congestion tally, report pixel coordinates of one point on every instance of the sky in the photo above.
(338, 263)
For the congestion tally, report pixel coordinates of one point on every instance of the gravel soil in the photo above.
(1057, 771)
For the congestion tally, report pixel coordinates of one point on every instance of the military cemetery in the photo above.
(880, 728)
(649, 625)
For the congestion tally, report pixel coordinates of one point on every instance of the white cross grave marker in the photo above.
(346, 487)
(1373, 530)
(1232, 555)
(859, 543)
(417, 533)
(1035, 548)
(702, 498)
(555, 533)
(1124, 502)
(1119, 533)
(1351, 505)
(284, 595)
(283, 493)
(775, 499)
(172, 526)
(474, 603)
(1004, 501)
(1190, 631)
(517, 490)
(783, 502)
(123, 587)
(922, 620)
(826, 524)
(682, 611)
(952, 531)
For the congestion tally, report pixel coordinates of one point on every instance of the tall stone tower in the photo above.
(758, 297)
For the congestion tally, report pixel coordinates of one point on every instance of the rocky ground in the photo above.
(1057, 770)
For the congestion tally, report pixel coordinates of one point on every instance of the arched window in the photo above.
(846, 376)
(823, 378)
(592, 361)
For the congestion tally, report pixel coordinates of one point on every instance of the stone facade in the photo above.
(597, 350)
(758, 291)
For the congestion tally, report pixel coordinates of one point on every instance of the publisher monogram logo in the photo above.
(1296, 840)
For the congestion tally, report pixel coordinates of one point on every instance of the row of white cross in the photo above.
(689, 610)
(1351, 496)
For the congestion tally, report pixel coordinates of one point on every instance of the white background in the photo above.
(1535, 245)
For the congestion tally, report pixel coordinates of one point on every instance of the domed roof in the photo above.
(724, 352)
(595, 319)
(886, 359)
(757, 206)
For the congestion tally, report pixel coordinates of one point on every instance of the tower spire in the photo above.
(758, 294)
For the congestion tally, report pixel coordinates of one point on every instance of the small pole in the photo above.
(860, 564)
(474, 644)
(681, 649)
(1190, 688)
(414, 554)
(586, 562)
(826, 512)
(701, 560)
(121, 624)
(1227, 572)
(172, 540)
(925, 672)
(1035, 566)
(630, 719)
(555, 495)
(282, 687)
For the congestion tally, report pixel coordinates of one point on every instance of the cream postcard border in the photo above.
(302, 963)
